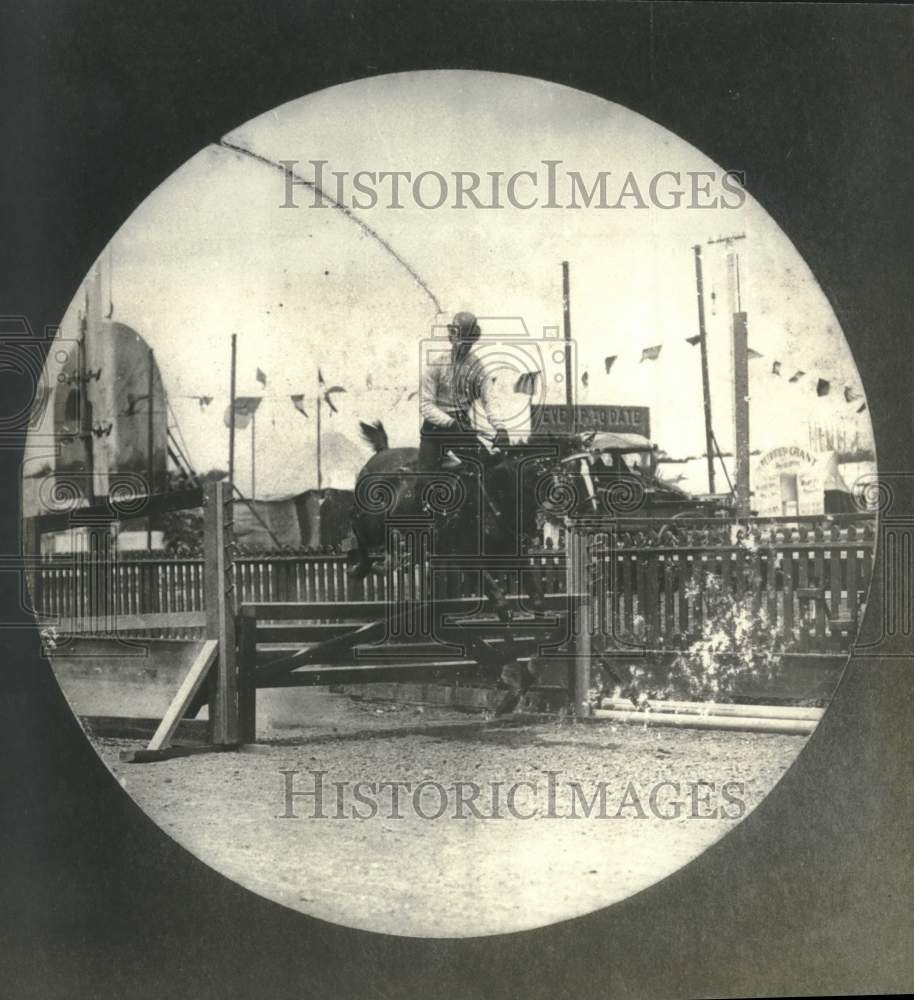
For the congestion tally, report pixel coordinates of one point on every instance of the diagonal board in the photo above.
(189, 687)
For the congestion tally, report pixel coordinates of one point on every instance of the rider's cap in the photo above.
(466, 325)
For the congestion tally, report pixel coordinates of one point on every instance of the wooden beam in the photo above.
(375, 610)
(372, 674)
(121, 727)
(181, 701)
(127, 623)
(168, 753)
(220, 612)
(108, 510)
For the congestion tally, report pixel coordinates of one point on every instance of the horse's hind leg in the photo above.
(496, 595)
(358, 561)
(533, 588)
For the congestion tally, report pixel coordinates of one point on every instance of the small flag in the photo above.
(796, 377)
(328, 400)
(245, 408)
(752, 355)
(823, 387)
(776, 368)
(861, 407)
(298, 401)
(692, 341)
(585, 379)
(609, 362)
(262, 378)
(328, 392)
(525, 384)
(850, 394)
(651, 353)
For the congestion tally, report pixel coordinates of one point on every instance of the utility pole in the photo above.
(231, 475)
(740, 374)
(566, 315)
(705, 381)
(253, 454)
(150, 467)
(319, 480)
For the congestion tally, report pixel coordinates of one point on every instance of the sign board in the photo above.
(561, 419)
(788, 483)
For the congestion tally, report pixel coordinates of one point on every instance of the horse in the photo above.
(502, 496)
(490, 512)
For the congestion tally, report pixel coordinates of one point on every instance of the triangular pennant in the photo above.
(262, 378)
(752, 355)
(692, 341)
(298, 401)
(525, 384)
(204, 401)
(328, 400)
(651, 353)
(609, 362)
(245, 408)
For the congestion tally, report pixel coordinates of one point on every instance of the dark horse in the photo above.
(484, 503)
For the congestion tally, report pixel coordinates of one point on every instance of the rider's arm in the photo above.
(485, 387)
(428, 398)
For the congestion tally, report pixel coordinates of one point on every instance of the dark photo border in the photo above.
(814, 892)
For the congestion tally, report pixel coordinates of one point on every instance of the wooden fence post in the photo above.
(220, 613)
(584, 588)
(31, 558)
(247, 666)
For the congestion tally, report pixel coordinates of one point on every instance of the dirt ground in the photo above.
(501, 868)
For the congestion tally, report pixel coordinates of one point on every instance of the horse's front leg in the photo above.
(496, 596)
(359, 561)
(533, 588)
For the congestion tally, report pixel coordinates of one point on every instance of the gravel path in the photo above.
(402, 872)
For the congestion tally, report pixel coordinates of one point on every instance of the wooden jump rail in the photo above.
(268, 644)
(231, 719)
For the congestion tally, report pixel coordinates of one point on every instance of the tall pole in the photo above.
(319, 480)
(253, 454)
(741, 411)
(566, 315)
(705, 381)
(231, 475)
(150, 484)
(739, 354)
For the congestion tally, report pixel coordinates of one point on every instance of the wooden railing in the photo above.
(658, 581)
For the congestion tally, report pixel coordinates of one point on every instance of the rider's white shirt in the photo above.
(496, 403)
(483, 386)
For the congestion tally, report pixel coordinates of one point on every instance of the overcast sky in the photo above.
(211, 252)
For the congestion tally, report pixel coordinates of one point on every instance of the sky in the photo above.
(211, 252)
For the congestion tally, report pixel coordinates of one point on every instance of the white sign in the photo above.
(788, 482)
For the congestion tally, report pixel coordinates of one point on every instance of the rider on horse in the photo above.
(455, 398)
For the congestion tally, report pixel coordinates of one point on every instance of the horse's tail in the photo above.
(375, 435)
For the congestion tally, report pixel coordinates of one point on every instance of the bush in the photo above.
(738, 644)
